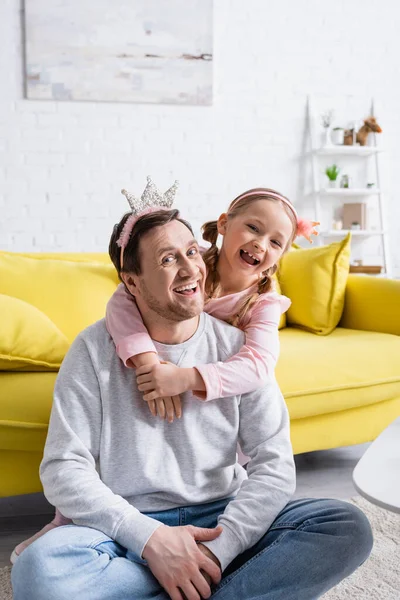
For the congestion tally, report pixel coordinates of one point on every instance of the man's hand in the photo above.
(207, 552)
(180, 564)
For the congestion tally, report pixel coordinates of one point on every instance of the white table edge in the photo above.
(376, 501)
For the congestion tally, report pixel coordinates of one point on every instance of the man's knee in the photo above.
(359, 531)
(344, 526)
(42, 568)
(352, 534)
(32, 575)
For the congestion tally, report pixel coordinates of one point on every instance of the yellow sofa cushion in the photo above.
(72, 293)
(315, 281)
(26, 400)
(29, 340)
(372, 304)
(345, 370)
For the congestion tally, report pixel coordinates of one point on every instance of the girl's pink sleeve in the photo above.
(125, 325)
(255, 362)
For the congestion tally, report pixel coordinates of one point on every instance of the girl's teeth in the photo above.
(251, 256)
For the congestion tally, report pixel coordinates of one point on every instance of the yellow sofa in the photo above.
(342, 388)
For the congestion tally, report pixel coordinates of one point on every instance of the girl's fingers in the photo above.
(144, 378)
(151, 396)
(146, 387)
(177, 406)
(143, 370)
(152, 408)
(160, 407)
(170, 409)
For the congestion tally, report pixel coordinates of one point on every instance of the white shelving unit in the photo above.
(349, 192)
(349, 150)
(373, 194)
(356, 232)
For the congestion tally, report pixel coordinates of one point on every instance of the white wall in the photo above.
(62, 164)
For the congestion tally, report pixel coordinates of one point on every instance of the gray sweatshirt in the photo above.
(107, 460)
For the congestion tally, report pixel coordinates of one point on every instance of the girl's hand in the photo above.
(161, 380)
(166, 407)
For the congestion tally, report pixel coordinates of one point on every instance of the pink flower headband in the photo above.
(305, 227)
(150, 201)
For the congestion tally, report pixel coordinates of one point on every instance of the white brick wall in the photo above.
(62, 165)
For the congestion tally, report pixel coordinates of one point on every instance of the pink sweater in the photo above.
(242, 373)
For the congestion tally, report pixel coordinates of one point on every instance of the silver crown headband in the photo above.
(150, 201)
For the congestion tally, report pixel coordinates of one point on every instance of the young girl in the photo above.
(258, 228)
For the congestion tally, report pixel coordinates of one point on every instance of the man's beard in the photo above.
(170, 311)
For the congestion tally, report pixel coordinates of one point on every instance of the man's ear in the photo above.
(131, 282)
(221, 223)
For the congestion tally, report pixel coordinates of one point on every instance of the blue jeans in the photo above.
(311, 546)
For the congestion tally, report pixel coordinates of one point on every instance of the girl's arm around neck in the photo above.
(254, 365)
(125, 325)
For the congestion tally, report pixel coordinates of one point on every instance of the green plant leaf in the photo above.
(332, 172)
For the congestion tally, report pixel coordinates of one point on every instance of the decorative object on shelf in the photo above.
(337, 225)
(370, 125)
(354, 215)
(345, 181)
(327, 118)
(337, 136)
(366, 269)
(370, 185)
(332, 173)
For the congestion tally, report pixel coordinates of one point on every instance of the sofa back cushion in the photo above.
(71, 293)
(315, 281)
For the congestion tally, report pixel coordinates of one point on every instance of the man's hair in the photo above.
(142, 226)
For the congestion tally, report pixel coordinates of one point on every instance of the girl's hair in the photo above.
(211, 255)
(132, 249)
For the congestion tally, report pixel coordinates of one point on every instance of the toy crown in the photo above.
(150, 201)
(151, 198)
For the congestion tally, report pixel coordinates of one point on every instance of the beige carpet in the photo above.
(377, 579)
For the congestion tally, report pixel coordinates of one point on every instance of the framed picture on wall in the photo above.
(143, 51)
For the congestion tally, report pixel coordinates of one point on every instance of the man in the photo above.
(146, 496)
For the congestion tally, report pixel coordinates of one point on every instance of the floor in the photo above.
(319, 474)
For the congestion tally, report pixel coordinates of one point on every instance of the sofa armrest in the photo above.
(372, 304)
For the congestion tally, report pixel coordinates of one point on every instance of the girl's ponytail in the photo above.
(264, 285)
(210, 257)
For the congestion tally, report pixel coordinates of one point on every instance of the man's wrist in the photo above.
(152, 544)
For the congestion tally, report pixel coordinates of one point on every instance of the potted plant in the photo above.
(337, 136)
(332, 173)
